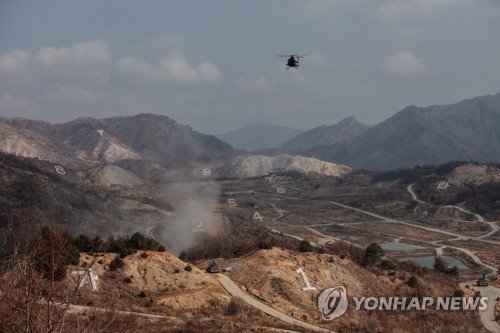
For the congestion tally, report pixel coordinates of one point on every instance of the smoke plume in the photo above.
(194, 214)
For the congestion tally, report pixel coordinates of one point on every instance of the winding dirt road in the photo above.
(234, 290)
(491, 292)
(488, 315)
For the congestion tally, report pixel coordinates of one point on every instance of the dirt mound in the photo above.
(271, 276)
(109, 175)
(475, 174)
(158, 280)
(255, 165)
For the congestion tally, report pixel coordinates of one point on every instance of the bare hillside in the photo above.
(257, 165)
(85, 142)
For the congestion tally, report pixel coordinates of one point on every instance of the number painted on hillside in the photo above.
(60, 169)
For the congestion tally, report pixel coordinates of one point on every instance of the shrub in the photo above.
(458, 293)
(440, 265)
(372, 254)
(412, 281)
(144, 255)
(265, 245)
(234, 307)
(116, 263)
(127, 280)
(389, 265)
(188, 268)
(53, 252)
(452, 271)
(305, 246)
(126, 245)
(142, 294)
(126, 251)
(138, 241)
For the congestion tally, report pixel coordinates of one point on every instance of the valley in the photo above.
(167, 166)
(319, 219)
(263, 218)
(210, 217)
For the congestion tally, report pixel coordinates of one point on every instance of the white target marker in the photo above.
(232, 202)
(280, 190)
(60, 169)
(207, 172)
(306, 282)
(83, 278)
(256, 216)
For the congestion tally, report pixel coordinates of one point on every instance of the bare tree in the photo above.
(35, 293)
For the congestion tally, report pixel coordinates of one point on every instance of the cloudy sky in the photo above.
(211, 63)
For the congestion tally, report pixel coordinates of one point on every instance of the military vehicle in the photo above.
(213, 267)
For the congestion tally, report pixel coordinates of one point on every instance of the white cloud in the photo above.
(78, 75)
(249, 85)
(9, 103)
(91, 52)
(394, 10)
(177, 69)
(174, 69)
(136, 69)
(14, 62)
(209, 72)
(87, 61)
(405, 64)
(74, 96)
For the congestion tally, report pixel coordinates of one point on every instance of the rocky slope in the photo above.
(475, 174)
(161, 284)
(344, 130)
(87, 141)
(104, 200)
(256, 165)
(258, 136)
(468, 130)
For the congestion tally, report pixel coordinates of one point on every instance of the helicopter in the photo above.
(293, 60)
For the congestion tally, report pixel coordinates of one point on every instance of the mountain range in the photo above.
(259, 136)
(344, 130)
(467, 130)
(87, 141)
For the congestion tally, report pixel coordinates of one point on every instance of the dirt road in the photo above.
(72, 308)
(413, 195)
(234, 290)
(488, 315)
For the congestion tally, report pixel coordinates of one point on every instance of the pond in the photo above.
(428, 261)
(399, 247)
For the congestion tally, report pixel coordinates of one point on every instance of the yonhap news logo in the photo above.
(333, 303)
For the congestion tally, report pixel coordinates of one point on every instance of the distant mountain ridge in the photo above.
(345, 129)
(89, 141)
(259, 136)
(468, 130)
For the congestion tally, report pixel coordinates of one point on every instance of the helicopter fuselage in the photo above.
(292, 62)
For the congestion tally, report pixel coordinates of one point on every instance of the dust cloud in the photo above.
(194, 214)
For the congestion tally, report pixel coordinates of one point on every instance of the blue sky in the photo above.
(211, 63)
